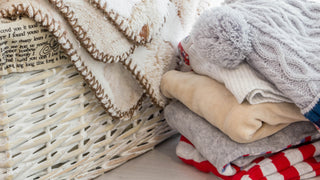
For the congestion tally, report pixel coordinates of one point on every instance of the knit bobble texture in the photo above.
(222, 36)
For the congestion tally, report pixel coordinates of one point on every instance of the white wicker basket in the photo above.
(53, 127)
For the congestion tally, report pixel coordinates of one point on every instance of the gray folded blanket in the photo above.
(220, 150)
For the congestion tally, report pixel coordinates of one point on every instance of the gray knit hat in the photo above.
(278, 38)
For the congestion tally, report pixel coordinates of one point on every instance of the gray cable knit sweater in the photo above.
(278, 38)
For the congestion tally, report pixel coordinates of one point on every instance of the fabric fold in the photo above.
(92, 71)
(277, 38)
(139, 20)
(212, 101)
(243, 82)
(121, 51)
(220, 150)
(301, 162)
(108, 44)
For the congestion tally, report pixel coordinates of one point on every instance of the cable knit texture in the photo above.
(279, 38)
(244, 82)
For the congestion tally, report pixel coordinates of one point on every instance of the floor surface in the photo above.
(158, 164)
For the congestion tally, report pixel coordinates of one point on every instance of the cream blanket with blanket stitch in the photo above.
(121, 48)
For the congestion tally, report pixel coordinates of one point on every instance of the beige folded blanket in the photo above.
(121, 48)
(211, 100)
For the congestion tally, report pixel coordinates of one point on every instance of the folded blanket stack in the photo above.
(279, 39)
(237, 119)
(225, 154)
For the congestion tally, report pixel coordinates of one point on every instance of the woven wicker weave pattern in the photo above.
(53, 127)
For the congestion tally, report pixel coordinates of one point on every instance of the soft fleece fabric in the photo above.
(109, 43)
(211, 100)
(220, 150)
(278, 38)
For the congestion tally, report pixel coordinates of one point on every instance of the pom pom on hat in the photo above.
(222, 36)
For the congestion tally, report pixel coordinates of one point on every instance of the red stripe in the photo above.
(180, 47)
(258, 159)
(240, 174)
(280, 161)
(290, 173)
(307, 151)
(317, 172)
(236, 167)
(283, 165)
(256, 173)
(307, 139)
(184, 54)
(191, 162)
(314, 164)
(184, 139)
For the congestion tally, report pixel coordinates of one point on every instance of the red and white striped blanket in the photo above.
(300, 162)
